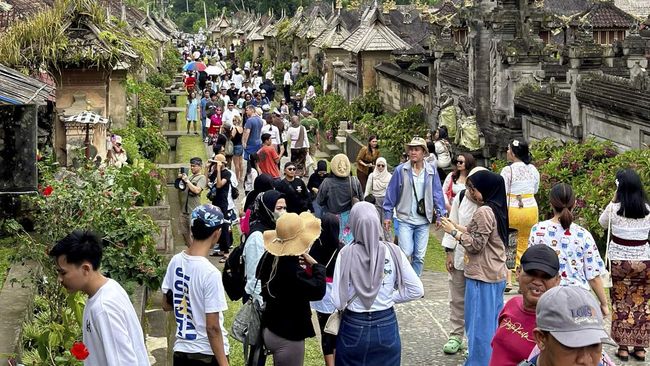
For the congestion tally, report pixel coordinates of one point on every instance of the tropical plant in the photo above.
(146, 141)
(330, 109)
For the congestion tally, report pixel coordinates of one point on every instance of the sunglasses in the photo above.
(460, 162)
(291, 169)
(382, 165)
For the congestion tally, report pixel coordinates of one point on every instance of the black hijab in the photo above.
(328, 243)
(315, 179)
(493, 190)
(263, 211)
(263, 183)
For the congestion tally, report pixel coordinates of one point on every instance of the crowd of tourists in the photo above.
(349, 245)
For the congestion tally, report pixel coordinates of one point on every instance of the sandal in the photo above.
(453, 345)
(508, 288)
(623, 354)
(638, 354)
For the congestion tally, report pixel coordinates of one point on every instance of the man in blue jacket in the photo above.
(416, 195)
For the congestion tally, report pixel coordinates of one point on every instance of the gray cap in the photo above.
(572, 315)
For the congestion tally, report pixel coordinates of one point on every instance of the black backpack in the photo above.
(234, 273)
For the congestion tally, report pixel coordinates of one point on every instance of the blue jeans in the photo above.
(413, 240)
(318, 209)
(368, 339)
(483, 303)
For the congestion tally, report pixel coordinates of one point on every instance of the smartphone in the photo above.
(183, 170)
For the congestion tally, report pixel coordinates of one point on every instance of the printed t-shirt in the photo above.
(197, 290)
(267, 164)
(111, 330)
(513, 340)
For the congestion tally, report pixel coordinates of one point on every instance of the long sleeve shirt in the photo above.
(460, 213)
(388, 295)
(399, 194)
(484, 249)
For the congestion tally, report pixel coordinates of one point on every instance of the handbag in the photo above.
(353, 198)
(334, 320)
(421, 207)
(229, 149)
(606, 276)
(247, 325)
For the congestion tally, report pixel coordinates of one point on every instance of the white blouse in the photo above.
(460, 213)
(388, 295)
(628, 229)
(456, 187)
(521, 179)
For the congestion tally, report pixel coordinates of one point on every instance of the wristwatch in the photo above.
(453, 233)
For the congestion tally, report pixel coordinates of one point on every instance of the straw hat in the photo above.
(293, 234)
(340, 165)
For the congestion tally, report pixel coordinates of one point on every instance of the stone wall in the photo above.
(399, 89)
(627, 132)
(345, 83)
(117, 99)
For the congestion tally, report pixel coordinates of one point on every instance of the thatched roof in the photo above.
(333, 36)
(373, 35)
(74, 33)
(19, 89)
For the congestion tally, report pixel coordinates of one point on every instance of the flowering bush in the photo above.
(590, 168)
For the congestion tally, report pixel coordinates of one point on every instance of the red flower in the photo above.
(48, 191)
(79, 351)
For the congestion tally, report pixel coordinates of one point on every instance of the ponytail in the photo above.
(563, 200)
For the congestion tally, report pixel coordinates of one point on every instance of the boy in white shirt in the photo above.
(192, 288)
(111, 330)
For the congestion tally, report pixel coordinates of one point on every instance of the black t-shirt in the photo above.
(221, 198)
(233, 94)
(296, 193)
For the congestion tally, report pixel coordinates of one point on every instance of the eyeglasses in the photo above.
(460, 162)
(291, 169)
(382, 165)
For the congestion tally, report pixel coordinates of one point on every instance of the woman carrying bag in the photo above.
(325, 250)
(627, 218)
(290, 279)
(370, 276)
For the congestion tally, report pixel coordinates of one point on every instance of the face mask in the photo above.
(277, 214)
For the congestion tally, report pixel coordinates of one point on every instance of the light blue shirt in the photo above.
(253, 251)
(415, 218)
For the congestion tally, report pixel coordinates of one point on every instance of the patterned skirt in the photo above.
(631, 303)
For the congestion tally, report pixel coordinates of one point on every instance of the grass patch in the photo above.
(5, 262)
(435, 257)
(188, 147)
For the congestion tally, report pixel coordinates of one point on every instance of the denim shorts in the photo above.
(238, 150)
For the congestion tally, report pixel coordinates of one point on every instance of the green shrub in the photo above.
(171, 63)
(302, 84)
(159, 80)
(330, 109)
(145, 178)
(147, 141)
(150, 99)
(369, 103)
(395, 130)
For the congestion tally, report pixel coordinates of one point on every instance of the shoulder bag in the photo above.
(353, 197)
(607, 275)
(334, 321)
(421, 207)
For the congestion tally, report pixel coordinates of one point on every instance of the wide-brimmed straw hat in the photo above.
(293, 234)
(340, 165)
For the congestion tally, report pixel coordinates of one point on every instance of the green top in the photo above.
(312, 125)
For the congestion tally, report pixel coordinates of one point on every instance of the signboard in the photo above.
(18, 131)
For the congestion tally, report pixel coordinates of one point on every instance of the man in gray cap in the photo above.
(570, 329)
(513, 340)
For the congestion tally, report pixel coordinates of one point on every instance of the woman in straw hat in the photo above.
(288, 285)
(337, 191)
(370, 276)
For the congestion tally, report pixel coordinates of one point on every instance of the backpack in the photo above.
(234, 273)
(234, 192)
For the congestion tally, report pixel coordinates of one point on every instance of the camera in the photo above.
(183, 170)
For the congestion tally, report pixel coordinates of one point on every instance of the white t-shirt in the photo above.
(111, 330)
(197, 291)
(294, 133)
(238, 79)
(273, 131)
(229, 115)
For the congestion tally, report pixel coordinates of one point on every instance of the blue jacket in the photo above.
(399, 194)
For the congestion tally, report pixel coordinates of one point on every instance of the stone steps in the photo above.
(332, 149)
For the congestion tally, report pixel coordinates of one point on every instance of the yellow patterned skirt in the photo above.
(522, 219)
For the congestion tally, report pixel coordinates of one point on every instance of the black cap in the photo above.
(542, 258)
(288, 164)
